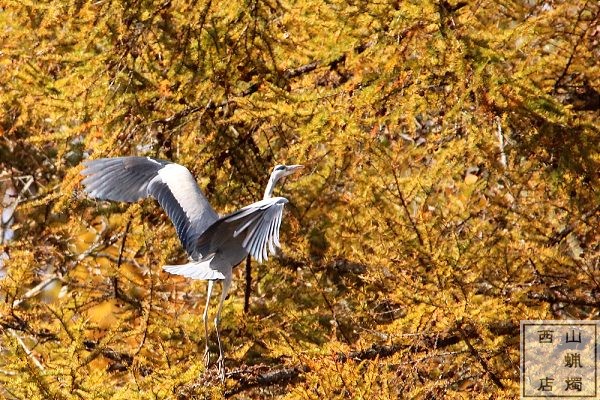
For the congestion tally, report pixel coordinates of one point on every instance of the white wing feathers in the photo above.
(260, 221)
(195, 270)
(184, 188)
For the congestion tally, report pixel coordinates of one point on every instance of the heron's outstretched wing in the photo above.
(133, 178)
(256, 226)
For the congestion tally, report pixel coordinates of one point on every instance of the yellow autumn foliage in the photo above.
(450, 190)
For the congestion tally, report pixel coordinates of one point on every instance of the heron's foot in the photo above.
(206, 358)
(221, 367)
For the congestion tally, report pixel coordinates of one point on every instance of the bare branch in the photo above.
(260, 376)
(479, 358)
(37, 289)
(500, 137)
(26, 349)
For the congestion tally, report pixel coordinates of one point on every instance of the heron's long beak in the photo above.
(293, 168)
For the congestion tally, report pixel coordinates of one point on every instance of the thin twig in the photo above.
(575, 46)
(406, 210)
(481, 360)
(563, 233)
(26, 349)
(6, 372)
(5, 221)
(329, 305)
(120, 259)
(147, 316)
(248, 289)
(501, 142)
(36, 289)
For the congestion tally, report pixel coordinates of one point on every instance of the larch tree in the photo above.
(451, 154)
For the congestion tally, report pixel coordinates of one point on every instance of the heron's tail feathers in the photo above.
(195, 270)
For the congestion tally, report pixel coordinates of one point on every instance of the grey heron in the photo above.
(214, 244)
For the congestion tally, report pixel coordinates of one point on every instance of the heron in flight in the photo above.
(214, 244)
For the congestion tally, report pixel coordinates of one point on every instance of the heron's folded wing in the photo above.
(133, 178)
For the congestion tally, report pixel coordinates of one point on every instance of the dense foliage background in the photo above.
(450, 191)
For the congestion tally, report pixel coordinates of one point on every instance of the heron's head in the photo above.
(279, 171)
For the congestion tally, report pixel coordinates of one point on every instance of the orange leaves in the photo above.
(103, 314)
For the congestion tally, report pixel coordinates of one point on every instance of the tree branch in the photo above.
(575, 46)
(28, 352)
(261, 376)
(248, 288)
(122, 360)
(477, 355)
(553, 298)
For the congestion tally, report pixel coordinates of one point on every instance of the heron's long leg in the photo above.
(205, 320)
(221, 360)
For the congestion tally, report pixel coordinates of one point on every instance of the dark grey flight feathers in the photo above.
(172, 185)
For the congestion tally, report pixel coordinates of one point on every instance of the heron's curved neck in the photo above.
(270, 187)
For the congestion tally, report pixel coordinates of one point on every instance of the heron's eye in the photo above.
(280, 168)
